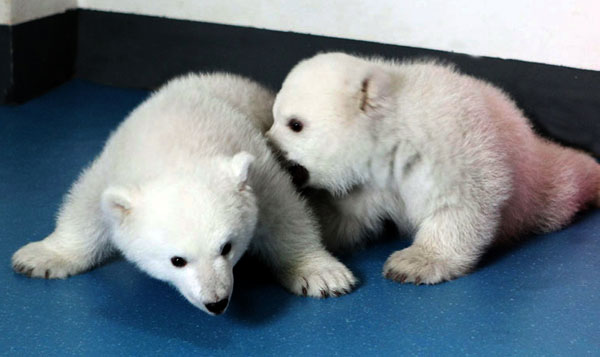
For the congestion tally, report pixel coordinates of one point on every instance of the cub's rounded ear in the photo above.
(117, 203)
(240, 166)
(375, 92)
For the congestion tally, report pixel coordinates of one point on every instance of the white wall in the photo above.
(4, 12)
(17, 11)
(561, 32)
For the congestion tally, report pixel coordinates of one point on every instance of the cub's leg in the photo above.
(447, 245)
(79, 240)
(289, 241)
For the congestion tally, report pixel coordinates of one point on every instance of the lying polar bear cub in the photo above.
(446, 156)
(183, 188)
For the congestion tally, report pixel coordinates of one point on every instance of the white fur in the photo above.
(188, 171)
(443, 155)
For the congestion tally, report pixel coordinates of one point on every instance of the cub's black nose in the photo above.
(299, 174)
(217, 307)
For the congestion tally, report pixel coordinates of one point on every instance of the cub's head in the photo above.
(188, 229)
(325, 118)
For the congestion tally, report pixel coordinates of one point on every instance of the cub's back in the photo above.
(190, 118)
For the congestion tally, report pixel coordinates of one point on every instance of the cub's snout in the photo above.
(299, 174)
(218, 307)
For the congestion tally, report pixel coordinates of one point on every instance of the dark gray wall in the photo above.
(5, 63)
(36, 56)
(142, 51)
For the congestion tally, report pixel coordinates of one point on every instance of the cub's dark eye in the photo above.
(226, 249)
(295, 124)
(178, 262)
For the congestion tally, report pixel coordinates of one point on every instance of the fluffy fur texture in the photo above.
(188, 172)
(444, 155)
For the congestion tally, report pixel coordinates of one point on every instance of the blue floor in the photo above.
(541, 298)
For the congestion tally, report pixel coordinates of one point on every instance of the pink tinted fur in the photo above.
(550, 182)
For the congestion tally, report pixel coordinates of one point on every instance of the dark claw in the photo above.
(337, 293)
(28, 272)
(388, 275)
(324, 294)
(47, 274)
(305, 288)
(402, 278)
(418, 280)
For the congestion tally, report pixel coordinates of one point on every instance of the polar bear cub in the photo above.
(444, 155)
(183, 188)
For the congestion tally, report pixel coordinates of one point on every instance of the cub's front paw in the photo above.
(36, 260)
(321, 278)
(417, 265)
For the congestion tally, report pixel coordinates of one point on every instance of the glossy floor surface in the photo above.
(540, 298)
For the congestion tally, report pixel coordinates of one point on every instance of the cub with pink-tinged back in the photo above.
(446, 156)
